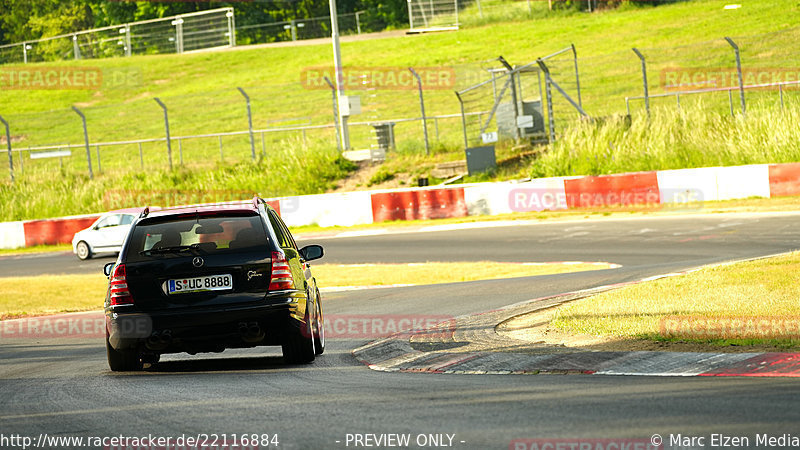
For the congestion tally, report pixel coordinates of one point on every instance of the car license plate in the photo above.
(199, 284)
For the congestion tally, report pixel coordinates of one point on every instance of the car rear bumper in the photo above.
(209, 329)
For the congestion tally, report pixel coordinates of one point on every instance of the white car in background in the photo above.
(106, 234)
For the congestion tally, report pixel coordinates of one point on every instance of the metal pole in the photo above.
(780, 89)
(511, 74)
(25, 53)
(264, 144)
(8, 144)
(463, 120)
(549, 96)
(141, 156)
(128, 50)
(231, 28)
(166, 127)
(180, 150)
(480, 10)
(577, 77)
(85, 141)
(422, 108)
(249, 124)
(644, 80)
(337, 62)
(221, 154)
(76, 49)
(530, 10)
(739, 72)
(99, 165)
(358, 22)
(335, 114)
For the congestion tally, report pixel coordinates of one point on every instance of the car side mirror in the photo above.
(311, 252)
(107, 269)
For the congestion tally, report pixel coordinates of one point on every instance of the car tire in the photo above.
(123, 360)
(319, 328)
(298, 345)
(83, 251)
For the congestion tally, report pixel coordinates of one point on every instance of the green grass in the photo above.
(199, 90)
(674, 139)
(293, 170)
(745, 293)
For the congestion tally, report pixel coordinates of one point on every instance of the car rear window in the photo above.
(205, 236)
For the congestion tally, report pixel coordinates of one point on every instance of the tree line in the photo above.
(25, 20)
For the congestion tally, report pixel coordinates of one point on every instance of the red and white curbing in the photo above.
(396, 354)
(683, 186)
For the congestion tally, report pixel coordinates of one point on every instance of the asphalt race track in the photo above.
(64, 388)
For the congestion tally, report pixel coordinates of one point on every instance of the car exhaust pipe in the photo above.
(251, 332)
(159, 340)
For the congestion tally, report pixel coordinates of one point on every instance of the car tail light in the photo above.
(281, 274)
(120, 295)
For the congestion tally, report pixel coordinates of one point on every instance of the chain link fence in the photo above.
(556, 90)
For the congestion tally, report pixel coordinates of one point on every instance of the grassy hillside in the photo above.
(200, 91)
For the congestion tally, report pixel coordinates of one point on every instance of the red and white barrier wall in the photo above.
(363, 207)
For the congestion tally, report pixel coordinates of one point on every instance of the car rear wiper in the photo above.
(172, 249)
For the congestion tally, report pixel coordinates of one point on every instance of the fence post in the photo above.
(180, 150)
(512, 74)
(141, 156)
(577, 77)
(739, 72)
(76, 49)
(549, 96)
(644, 80)
(480, 10)
(25, 53)
(463, 120)
(85, 141)
(780, 90)
(231, 28)
(166, 127)
(178, 22)
(221, 153)
(422, 108)
(358, 21)
(335, 114)
(8, 144)
(99, 165)
(249, 124)
(127, 39)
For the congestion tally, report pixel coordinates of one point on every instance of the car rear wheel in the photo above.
(123, 360)
(319, 328)
(298, 346)
(83, 250)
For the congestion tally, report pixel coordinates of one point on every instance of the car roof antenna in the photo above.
(144, 212)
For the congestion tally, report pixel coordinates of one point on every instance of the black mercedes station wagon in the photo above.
(211, 277)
